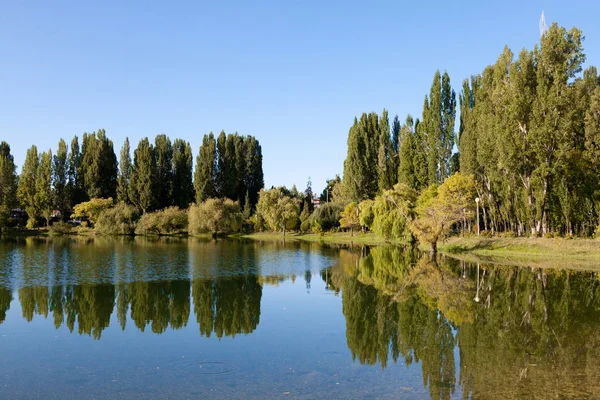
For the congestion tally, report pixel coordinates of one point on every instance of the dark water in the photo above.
(127, 319)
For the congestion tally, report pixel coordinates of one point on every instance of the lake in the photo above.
(137, 318)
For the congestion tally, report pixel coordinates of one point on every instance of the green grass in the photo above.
(573, 253)
(369, 239)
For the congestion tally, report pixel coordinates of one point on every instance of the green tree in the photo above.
(215, 216)
(124, 180)
(60, 178)
(143, 177)
(276, 209)
(206, 168)
(384, 154)
(439, 208)
(8, 184)
(349, 218)
(91, 210)
(183, 187)
(99, 165)
(393, 210)
(75, 188)
(26, 190)
(164, 171)
(43, 186)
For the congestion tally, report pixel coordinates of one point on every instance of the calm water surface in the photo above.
(125, 318)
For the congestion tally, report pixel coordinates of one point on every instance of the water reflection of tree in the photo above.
(533, 330)
(5, 299)
(227, 306)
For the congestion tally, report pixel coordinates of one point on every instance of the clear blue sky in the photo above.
(293, 74)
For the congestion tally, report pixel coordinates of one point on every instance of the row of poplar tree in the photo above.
(159, 175)
(529, 135)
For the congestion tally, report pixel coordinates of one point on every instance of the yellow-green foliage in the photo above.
(276, 209)
(439, 208)
(214, 216)
(365, 213)
(92, 209)
(60, 228)
(349, 218)
(169, 221)
(393, 210)
(118, 220)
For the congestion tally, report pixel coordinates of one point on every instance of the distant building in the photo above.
(316, 202)
(55, 214)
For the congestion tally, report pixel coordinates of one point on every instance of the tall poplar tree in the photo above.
(8, 183)
(43, 186)
(75, 188)
(60, 178)
(384, 152)
(395, 153)
(183, 187)
(143, 189)
(254, 170)
(124, 179)
(27, 185)
(99, 165)
(206, 169)
(164, 170)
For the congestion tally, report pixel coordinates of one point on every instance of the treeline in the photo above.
(530, 135)
(160, 175)
(529, 150)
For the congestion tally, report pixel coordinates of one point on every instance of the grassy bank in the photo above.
(572, 253)
(369, 239)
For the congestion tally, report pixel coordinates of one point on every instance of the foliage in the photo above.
(349, 217)
(276, 209)
(144, 185)
(183, 188)
(327, 216)
(26, 190)
(365, 213)
(98, 166)
(215, 216)
(168, 221)
(92, 209)
(8, 184)
(438, 209)
(60, 228)
(118, 220)
(124, 179)
(43, 186)
(393, 210)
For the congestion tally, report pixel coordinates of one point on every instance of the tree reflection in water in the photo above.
(534, 332)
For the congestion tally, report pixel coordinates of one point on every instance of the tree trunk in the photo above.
(433, 249)
(351, 231)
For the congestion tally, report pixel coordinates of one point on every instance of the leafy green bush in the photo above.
(92, 209)
(60, 228)
(169, 221)
(328, 216)
(214, 216)
(119, 220)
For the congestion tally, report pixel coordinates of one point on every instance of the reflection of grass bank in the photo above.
(369, 239)
(526, 251)
(17, 232)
